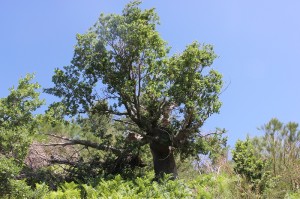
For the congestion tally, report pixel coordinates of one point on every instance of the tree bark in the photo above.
(163, 160)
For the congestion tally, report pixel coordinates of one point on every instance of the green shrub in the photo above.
(8, 170)
(19, 189)
(251, 167)
(295, 195)
(204, 186)
(66, 191)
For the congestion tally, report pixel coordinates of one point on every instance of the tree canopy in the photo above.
(122, 67)
(17, 127)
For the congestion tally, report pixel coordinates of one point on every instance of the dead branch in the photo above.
(65, 162)
(213, 133)
(86, 143)
(125, 122)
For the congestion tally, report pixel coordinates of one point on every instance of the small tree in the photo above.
(280, 146)
(121, 67)
(17, 122)
(17, 126)
(247, 162)
(251, 166)
(271, 161)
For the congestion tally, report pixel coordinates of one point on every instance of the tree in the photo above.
(247, 162)
(280, 147)
(122, 67)
(17, 122)
(271, 162)
(17, 126)
(280, 144)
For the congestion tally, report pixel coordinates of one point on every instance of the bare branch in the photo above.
(213, 133)
(116, 112)
(125, 122)
(55, 144)
(185, 133)
(86, 143)
(57, 161)
(186, 128)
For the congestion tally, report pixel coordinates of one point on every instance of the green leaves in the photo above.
(142, 188)
(123, 61)
(188, 83)
(17, 122)
(17, 125)
(279, 144)
(16, 109)
(247, 162)
(271, 161)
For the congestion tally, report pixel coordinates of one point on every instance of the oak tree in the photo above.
(123, 67)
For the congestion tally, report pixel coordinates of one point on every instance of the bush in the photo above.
(250, 167)
(204, 186)
(8, 170)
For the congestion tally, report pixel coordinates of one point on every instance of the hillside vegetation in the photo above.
(128, 125)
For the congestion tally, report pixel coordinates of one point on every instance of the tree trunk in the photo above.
(163, 160)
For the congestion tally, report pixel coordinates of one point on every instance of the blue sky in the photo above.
(258, 43)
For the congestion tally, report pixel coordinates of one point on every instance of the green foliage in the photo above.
(214, 145)
(247, 162)
(255, 178)
(8, 170)
(122, 67)
(17, 126)
(17, 123)
(295, 195)
(20, 189)
(205, 186)
(87, 164)
(17, 107)
(269, 163)
(67, 190)
(279, 144)
(123, 81)
(253, 181)
(280, 147)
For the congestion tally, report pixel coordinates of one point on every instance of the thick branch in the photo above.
(131, 112)
(84, 143)
(188, 128)
(185, 133)
(125, 122)
(116, 113)
(56, 144)
(66, 162)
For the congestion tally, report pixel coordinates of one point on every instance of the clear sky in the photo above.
(258, 43)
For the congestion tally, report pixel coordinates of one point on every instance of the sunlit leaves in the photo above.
(124, 61)
(17, 121)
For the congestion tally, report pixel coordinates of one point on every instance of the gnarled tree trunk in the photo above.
(163, 160)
